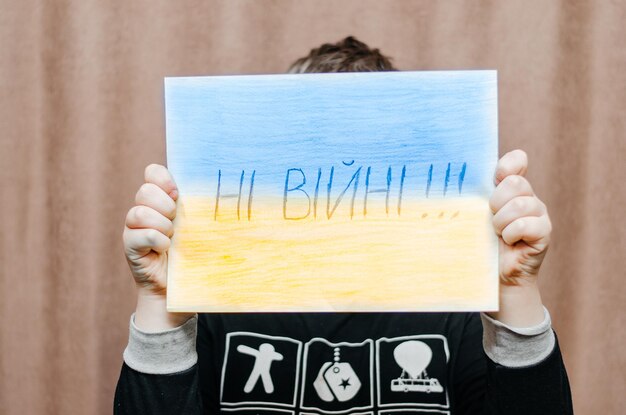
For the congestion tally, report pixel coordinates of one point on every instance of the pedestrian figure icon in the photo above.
(264, 357)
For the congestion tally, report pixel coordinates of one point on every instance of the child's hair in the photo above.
(347, 55)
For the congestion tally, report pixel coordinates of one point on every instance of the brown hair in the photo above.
(347, 55)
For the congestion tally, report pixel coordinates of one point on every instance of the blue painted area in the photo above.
(392, 125)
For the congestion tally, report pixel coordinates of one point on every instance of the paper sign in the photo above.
(333, 192)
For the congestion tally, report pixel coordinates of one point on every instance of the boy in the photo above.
(506, 362)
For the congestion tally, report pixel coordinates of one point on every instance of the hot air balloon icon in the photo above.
(414, 357)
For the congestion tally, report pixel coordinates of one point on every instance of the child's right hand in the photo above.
(149, 229)
(146, 241)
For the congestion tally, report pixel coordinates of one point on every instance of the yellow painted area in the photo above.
(438, 255)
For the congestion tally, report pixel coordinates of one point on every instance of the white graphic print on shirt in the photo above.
(330, 382)
(262, 373)
(410, 371)
(253, 356)
(263, 359)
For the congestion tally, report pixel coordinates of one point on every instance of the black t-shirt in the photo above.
(369, 363)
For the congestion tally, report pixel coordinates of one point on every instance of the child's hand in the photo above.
(520, 219)
(523, 226)
(146, 241)
(149, 229)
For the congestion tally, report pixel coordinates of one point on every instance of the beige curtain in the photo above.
(81, 114)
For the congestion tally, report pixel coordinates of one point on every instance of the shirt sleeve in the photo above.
(525, 370)
(517, 347)
(160, 373)
(502, 370)
(164, 352)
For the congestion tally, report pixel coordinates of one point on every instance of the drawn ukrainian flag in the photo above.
(333, 192)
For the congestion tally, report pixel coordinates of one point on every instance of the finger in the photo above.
(160, 175)
(143, 217)
(516, 208)
(154, 197)
(140, 242)
(512, 163)
(530, 229)
(509, 188)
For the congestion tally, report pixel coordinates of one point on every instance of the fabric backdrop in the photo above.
(81, 114)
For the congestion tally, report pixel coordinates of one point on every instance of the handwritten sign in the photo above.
(333, 192)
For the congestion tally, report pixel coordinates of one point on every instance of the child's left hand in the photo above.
(520, 219)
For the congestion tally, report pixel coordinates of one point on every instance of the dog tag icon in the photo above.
(342, 381)
(337, 380)
(320, 385)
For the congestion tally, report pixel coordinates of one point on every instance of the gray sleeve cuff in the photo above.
(517, 347)
(165, 352)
